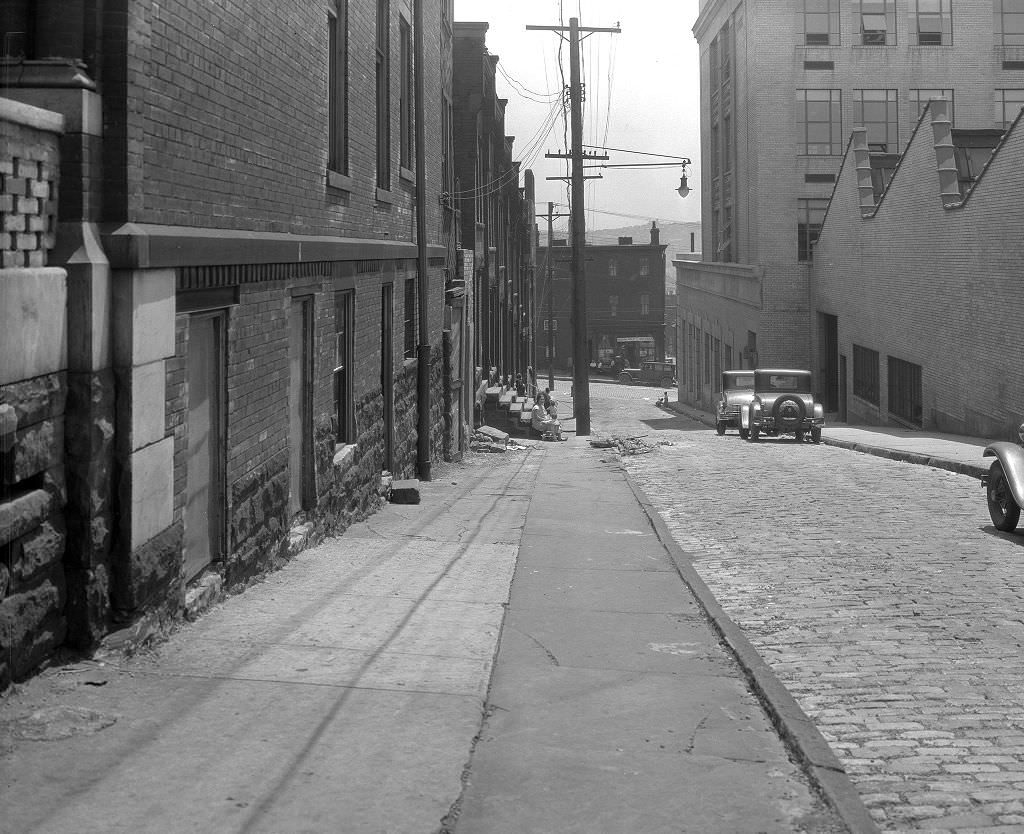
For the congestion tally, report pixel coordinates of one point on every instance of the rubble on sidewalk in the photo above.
(405, 491)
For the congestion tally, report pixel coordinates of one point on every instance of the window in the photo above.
(645, 304)
(337, 88)
(934, 23)
(645, 266)
(1008, 105)
(820, 122)
(613, 305)
(1011, 22)
(551, 324)
(905, 390)
(707, 358)
(613, 268)
(920, 98)
(410, 318)
(406, 99)
(821, 22)
(382, 69)
(549, 352)
(972, 151)
(876, 110)
(716, 151)
(810, 216)
(725, 236)
(344, 325)
(865, 374)
(876, 22)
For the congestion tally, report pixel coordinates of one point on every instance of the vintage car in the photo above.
(1004, 483)
(737, 390)
(782, 404)
(650, 372)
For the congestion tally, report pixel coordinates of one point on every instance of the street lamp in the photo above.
(683, 189)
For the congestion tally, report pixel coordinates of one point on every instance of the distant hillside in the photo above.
(676, 236)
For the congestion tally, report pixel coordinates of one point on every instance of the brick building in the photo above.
(783, 84)
(496, 213)
(625, 301)
(238, 223)
(917, 283)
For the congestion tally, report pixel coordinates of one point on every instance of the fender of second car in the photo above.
(1011, 456)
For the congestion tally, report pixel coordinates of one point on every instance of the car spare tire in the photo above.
(788, 413)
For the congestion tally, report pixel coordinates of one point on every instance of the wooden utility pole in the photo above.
(581, 350)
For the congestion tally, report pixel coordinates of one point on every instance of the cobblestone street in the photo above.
(876, 590)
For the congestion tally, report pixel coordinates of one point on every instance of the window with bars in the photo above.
(337, 87)
(865, 374)
(344, 407)
(905, 397)
(877, 111)
(821, 22)
(645, 267)
(1011, 22)
(613, 268)
(933, 20)
(819, 117)
(551, 324)
(382, 71)
(645, 304)
(876, 22)
(810, 216)
(613, 305)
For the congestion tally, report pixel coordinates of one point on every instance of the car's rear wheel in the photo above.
(816, 434)
(1001, 507)
(720, 428)
(788, 413)
(625, 378)
(744, 434)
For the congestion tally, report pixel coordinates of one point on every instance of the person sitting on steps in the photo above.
(542, 421)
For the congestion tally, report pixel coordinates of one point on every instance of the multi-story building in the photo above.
(625, 294)
(245, 281)
(496, 213)
(783, 84)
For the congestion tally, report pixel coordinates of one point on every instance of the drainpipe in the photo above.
(423, 283)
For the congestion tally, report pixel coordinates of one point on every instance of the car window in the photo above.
(740, 381)
(788, 382)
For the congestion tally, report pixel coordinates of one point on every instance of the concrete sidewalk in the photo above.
(346, 691)
(953, 452)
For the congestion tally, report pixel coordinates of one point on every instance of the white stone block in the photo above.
(148, 398)
(152, 485)
(33, 323)
(144, 309)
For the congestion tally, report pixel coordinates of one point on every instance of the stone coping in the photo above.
(29, 116)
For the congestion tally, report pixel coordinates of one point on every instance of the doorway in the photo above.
(204, 490)
(300, 406)
(828, 333)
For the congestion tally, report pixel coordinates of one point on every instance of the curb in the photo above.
(972, 470)
(798, 732)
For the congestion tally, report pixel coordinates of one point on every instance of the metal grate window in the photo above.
(905, 391)
(865, 374)
(382, 69)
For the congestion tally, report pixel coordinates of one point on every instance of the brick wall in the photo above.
(33, 395)
(938, 287)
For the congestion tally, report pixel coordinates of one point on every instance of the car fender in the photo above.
(1011, 456)
(745, 416)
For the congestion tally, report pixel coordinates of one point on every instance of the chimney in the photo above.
(862, 159)
(655, 234)
(942, 131)
(625, 241)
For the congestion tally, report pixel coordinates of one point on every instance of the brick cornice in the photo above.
(150, 246)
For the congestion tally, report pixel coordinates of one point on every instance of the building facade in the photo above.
(917, 285)
(625, 294)
(238, 225)
(495, 204)
(783, 84)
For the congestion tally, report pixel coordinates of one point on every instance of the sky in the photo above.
(642, 94)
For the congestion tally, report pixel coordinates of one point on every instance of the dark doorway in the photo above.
(842, 389)
(828, 357)
(300, 405)
(204, 491)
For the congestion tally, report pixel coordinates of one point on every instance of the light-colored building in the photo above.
(918, 286)
(783, 84)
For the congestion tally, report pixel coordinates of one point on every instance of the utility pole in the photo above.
(581, 351)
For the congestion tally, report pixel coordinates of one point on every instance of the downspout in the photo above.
(423, 282)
